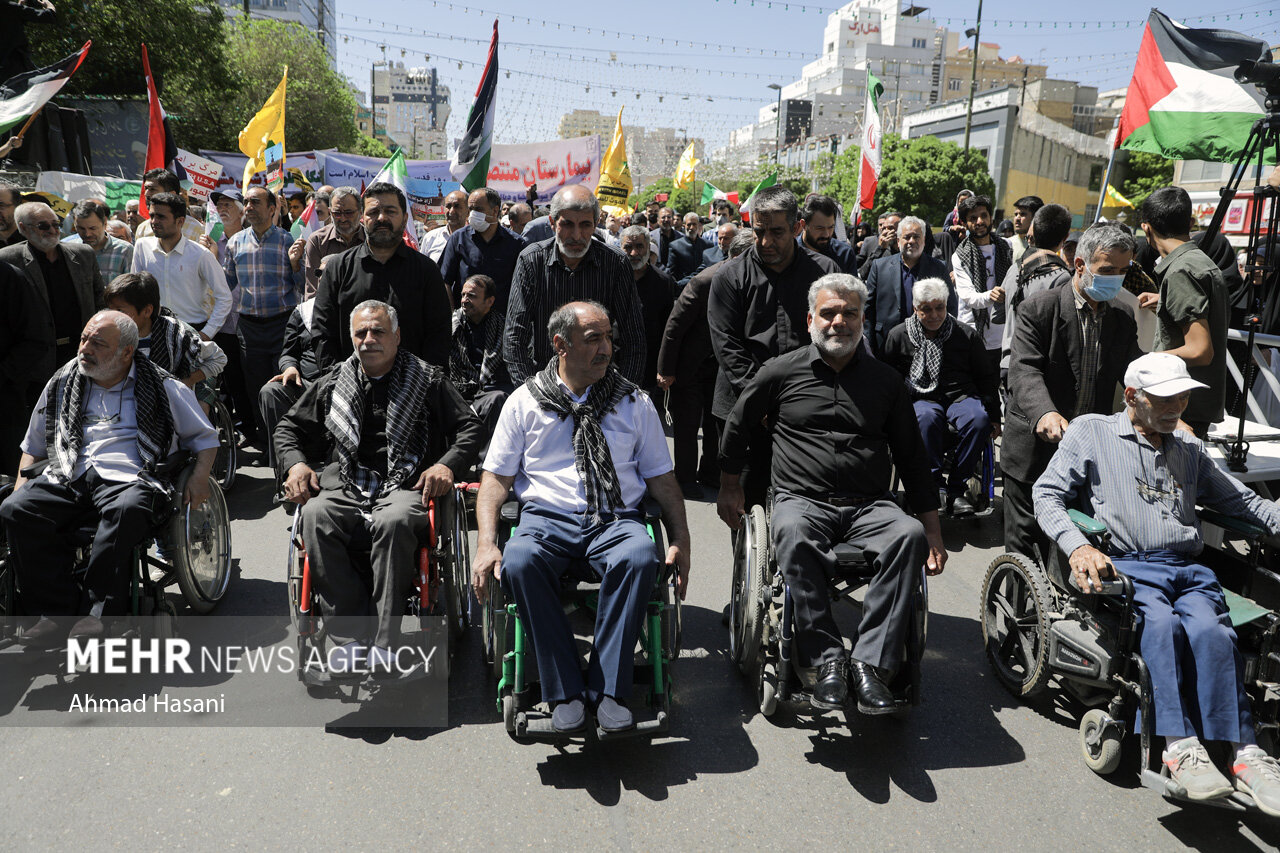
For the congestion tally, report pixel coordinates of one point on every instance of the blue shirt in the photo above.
(269, 285)
(467, 254)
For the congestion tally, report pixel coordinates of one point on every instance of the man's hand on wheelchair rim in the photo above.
(487, 563)
(1089, 567)
(732, 503)
(679, 557)
(434, 482)
(301, 483)
(197, 490)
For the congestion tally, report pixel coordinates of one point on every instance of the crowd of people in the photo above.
(790, 358)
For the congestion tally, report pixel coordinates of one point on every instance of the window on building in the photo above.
(831, 46)
(1096, 171)
(917, 43)
(953, 85)
(1199, 170)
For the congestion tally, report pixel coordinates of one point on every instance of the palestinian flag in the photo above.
(712, 193)
(1183, 102)
(396, 173)
(308, 223)
(162, 151)
(22, 96)
(765, 184)
(470, 166)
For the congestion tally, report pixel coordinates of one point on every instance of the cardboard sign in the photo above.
(203, 172)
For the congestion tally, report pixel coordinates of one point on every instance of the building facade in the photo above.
(412, 105)
(317, 16)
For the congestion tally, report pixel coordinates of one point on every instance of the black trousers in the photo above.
(261, 342)
(41, 519)
(275, 399)
(232, 381)
(1022, 534)
(690, 407)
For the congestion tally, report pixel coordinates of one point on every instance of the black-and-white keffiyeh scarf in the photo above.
(410, 380)
(466, 377)
(175, 346)
(64, 417)
(926, 361)
(971, 258)
(591, 454)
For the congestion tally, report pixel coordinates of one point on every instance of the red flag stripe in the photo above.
(1151, 82)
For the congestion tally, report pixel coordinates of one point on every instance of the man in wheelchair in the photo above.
(1142, 477)
(951, 382)
(834, 410)
(104, 420)
(378, 426)
(580, 444)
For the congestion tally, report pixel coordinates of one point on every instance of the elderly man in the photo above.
(92, 219)
(482, 247)
(377, 426)
(569, 267)
(344, 231)
(720, 251)
(951, 382)
(838, 417)
(133, 215)
(657, 292)
(519, 215)
(980, 263)
(686, 253)
(820, 215)
(455, 216)
(890, 281)
(192, 284)
(666, 236)
(383, 268)
(105, 418)
(580, 444)
(476, 367)
(1186, 640)
(67, 280)
(1070, 349)
(10, 198)
(120, 230)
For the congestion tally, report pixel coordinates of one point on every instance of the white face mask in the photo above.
(478, 221)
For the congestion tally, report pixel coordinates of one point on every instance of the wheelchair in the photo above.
(224, 464)
(981, 487)
(762, 621)
(193, 552)
(509, 652)
(439, 587)
(1037, 626)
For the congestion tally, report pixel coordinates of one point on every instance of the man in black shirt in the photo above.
(377, 427)
(666, 236)
(22, 348)
(835, 411)
(298, 369)
(383, 268)
(657, 292)
(686, 253)
(476, 367)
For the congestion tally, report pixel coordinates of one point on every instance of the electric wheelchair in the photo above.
(439, 588)
(192, 551)
(761, 619)
(509, 652)
(1038, 626)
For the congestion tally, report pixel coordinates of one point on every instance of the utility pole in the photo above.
(777, 128)
(246, 8)
(973, 75)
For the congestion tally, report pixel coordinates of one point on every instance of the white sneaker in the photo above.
(1258, 775)
(1193, 771)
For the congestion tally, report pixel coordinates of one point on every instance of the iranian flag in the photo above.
(470, 166)
(25, 94)
(869, 176)
(1183, 102)
(396, 173)
(712, 193)
(765, 184)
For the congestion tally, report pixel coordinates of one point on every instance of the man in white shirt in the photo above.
(980, 263)
(192, 283)
(581, 445)
(455, 216)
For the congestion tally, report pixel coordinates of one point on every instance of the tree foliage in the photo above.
(919, 177)
(1146, 173)
(742, 183)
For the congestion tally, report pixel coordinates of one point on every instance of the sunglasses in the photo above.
(45, 226)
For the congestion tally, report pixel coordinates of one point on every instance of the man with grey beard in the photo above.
(657, 292)
(839, 418)
(105, 418)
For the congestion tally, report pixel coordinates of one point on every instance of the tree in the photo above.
(1146, 173)
(681, 201)
(185, 40)
(919, 177)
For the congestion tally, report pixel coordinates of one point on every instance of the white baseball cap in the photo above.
(1161, 374)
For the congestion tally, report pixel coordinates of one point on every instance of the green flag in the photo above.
(765, 184)
(711, 193)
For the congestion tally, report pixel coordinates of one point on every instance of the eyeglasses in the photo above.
(1152, 494)
(45, 226)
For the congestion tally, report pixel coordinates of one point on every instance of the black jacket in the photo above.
(686, 341)
(685, 258)
(884, 308)
(966, 370)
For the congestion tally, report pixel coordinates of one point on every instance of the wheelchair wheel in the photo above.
(224, 464)
(293, 574)
(459, 618)
(495, 628)
(8, 583)
(1099, 745)
(750, 590)
(1016, 602)
(201, 541)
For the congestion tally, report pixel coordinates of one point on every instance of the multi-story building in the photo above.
(318, 16)
(652, 153)
(954, 69)
(370, 128)
(413, 106)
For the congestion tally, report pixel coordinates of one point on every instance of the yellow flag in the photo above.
(615, 175)
(1114, 199)
(685, 169)
(262, 139)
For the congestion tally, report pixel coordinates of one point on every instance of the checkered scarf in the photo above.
(970, 254)
(64, 417)
(175, 346)
(466, 377)
(410, 380)
(591, 454)
(926, 361)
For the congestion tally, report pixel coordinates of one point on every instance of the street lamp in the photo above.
(777, 128)
(973, 75)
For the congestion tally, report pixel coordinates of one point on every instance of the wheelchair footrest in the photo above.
(1237, 801)
(536, 726)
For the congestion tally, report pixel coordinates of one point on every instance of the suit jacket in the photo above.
(686, 342)
(1044, 373)
(712, 256)
(884, 308)
(685, 259)
(85, 277)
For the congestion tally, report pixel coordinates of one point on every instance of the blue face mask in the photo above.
(1103, 288)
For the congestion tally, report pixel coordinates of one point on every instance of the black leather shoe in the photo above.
(959, 506)
(89, 626)
(831, 686)
(45, 632)
(874, 696)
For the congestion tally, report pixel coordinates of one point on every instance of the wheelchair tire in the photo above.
(201, 542)
(8, 581)
(750, 593)
(224, 464)
(1016, 601)
(496, 628)
(1101, 748)
(164, 622)
(293, 574)
(460, 558)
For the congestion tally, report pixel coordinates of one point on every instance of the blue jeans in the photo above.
(974, 427)
(543, 547)
(1189, 647)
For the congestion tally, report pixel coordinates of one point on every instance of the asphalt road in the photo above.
(969, 769)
